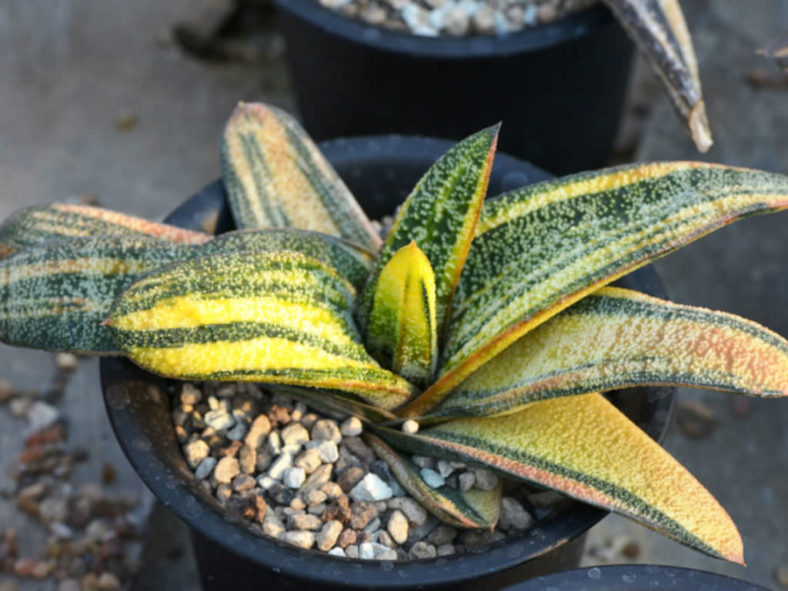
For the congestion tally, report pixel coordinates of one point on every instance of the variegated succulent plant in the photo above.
(490, 323)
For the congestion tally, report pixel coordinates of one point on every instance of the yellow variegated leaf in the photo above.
(616, 338)
(42, 223)
(585, 447)
(278, 317)
(474, 509)
(402, 334)
(542, 248)
(275, 176)
(440, 215)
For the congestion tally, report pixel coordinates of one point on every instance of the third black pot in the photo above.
(380, 172)
(558, 88)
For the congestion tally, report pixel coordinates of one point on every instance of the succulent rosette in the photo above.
(490, 323)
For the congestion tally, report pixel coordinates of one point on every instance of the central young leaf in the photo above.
(402, 331)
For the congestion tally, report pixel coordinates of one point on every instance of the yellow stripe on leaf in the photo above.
(617, 338)
(583, 446)
(402, 332)
(277, 317)
(542, 248)
(276, 176)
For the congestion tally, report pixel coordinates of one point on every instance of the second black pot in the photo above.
(558, 88)
(380, 172)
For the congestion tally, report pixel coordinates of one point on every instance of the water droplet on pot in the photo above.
(594, 573)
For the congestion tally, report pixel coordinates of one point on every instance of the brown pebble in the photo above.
(361, 513)
(304, 522)
(359, 449)
(24, 567)
(230, 450)
(298, 504)
(338, 510)
(247, 459)
(318, 478)
(108, 473)
(243, 482)
(42, 569)
(257, 508)
(278, 415)
(332, 490)
(346, 538)
(6, 391)
(258, 431)
(350, 478)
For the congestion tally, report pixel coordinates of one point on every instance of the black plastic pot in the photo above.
(558, 88)
(635, 577)
(380, 172)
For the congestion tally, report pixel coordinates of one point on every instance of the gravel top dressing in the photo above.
(311, 481)
(430, 18)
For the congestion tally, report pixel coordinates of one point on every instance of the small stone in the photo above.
(224, 492)
(316, 509)
(373, 526)
(205, 468)
(350, 477)
(190, 394)
(385, 538)
(443, 534)
(265, 482)
(219, 419)
(397, 527)
(781, 575)
(328, 536)
(446, 550)
(338, 510)
(19, 407)
(410, 426)
(484, 20)
(41, 569)
(424, 461)
(361, 513)
(273, 443)
(513, 515)
(61, 531)
(358, 448)
(272, 526)
(371, 488)
(53, 509)
(466, 481)
(456, 21)
(195, 452)
(27, 498)
(421, 550)
(243, 482)
(300, 539)
(247, 459)
(309, 460)
(295, 434)
(432, 478)
(41, 415)
(66, 361)
(445, 468)
(304, 522)
(97, 530)
(298, 504)
(256, 509)
(315, 497)
(298, 412)
(318, 478)
(346, 538)
(293, 477)
(415, 513)
(328, 451)
(351, 427)
(326, 429)
(229, 451)
(108, 582)
(226, 470)
(278, 414)
(237, 432)
(280, 465)
(485, 480)
(351, 551)
(258, 431)
(69, 585)
(337, 552)
(332, 490)
(474, 540)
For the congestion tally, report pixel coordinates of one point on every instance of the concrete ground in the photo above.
(97, 100)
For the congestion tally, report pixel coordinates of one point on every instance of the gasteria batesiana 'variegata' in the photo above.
(491, 323)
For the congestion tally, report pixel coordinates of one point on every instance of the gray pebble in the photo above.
(421, 550)
(326, 429)
(513, 515)
(293, 477)
(371, 488)
(415, 513)
(205, 468)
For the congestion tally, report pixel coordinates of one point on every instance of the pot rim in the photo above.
(568, 28)
(202, 513)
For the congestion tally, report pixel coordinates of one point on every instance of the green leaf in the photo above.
(56, 295)
(440, 215)
(540, 249)
(474, 509)
(350, 261)
(659, 29)
(402, 332)
(41, 223)
(583, 446)
(275, 176)
(617, 338)
(278, 317)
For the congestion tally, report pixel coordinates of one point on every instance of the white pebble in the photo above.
(281, 463)
(371, 488)
(337, 552)
(293, 477)
(410, 426)
(265, 482)
(219, 419)
(301, 539)
(432, 478)
(351, 427)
